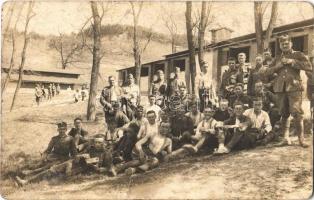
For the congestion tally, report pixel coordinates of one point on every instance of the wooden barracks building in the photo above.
(220, 49)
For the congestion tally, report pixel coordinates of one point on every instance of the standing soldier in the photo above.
(109, 94)
(244, 68)
(38, 94)
(229, 78)
(206, 89)
(131, 97)
(288, 87)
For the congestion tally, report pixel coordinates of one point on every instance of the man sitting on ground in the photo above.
(207, 132)
(151, 154)
(79, 134)
(235, 135)
(195, 114)
(60, 149)
(223, 112)
(96, 158)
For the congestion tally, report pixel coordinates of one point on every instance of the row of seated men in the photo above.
(151, 137)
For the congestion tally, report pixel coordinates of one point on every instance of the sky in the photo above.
(56, 17)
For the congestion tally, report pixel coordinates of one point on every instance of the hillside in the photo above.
(116, 43)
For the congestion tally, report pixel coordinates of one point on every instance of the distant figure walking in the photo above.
(38, 94)
(77, 95)
(53, 90)
(50, 91)
(58, 89)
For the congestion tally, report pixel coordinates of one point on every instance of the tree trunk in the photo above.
(11, 11)
(173, 45)
(23, 55)
(272, 21)
(258, 26)
(201, 35)
(91, 108)
(12, 61)
(189, 33)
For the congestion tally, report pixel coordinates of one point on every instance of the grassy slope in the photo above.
(271, 173)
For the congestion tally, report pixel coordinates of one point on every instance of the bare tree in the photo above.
(10, 12)
(136, 47)
(68, 47)
(91, 108)
(258, 13)
(204, 21)
(172, 27)
(29, 16)
(191, 47)
(12, 60)
(271, 24)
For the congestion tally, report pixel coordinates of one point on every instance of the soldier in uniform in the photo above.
(97, 158)
(79, 134)
(60, 149)
(269, 102)
(288, 87)
(229, 78)
(255, 75)
(245, 69)
(206, 89)
(131, 97)
(240, 96)
(267, 58)
(160, 84)
(110, 94)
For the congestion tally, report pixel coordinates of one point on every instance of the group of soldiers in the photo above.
(48, 93)
(253, 106)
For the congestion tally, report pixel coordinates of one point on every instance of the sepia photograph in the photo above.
(157, 99)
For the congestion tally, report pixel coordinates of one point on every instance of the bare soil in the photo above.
(261, 173)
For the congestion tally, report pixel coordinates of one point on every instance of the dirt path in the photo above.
(262, 173)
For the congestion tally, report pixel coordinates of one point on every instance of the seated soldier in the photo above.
(235, 135)
(114, 121)
(206, 134)
(256, 130)
(240, 96)
(60, 149)
(195, 113)
(260, 122)
(152, 106)
(182, 128)
(223, 112)
(152, 153)
(97, 159)
(269, 102)
(79, 134)
(130, 132)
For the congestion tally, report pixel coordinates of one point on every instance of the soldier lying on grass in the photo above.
(96, 158)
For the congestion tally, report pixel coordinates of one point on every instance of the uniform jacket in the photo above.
(106, 95)
(288, 79)
(62, 145)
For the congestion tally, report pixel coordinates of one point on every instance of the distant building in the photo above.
(31, 77)
(220, 49)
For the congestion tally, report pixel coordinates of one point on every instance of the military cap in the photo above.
(238, 103)
(62, 125)
(257, 99)
(239, 85)
(284, 38)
